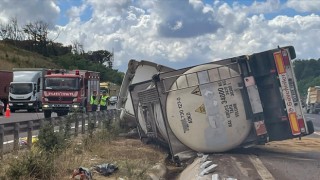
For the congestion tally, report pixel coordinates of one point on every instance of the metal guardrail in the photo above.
(29, 126)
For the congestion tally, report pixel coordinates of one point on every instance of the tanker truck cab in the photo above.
(26, 89)
(67, 91)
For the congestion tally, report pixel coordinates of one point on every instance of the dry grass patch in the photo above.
(132, 157)
(56, 158)
(295, 145)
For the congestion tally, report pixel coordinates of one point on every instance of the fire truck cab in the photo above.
(68, 90)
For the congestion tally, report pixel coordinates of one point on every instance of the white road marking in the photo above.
(243, 170)
(311, 118)
(261, 169)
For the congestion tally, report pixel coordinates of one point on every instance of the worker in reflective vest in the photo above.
(94, 101)
(104, 101)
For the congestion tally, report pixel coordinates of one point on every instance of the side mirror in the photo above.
(10, 88)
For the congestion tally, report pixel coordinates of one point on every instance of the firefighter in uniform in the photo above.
(104, 101)
(94, 101)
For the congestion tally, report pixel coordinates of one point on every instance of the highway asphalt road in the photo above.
(23, 115)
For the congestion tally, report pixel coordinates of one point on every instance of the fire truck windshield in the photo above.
(62, 83)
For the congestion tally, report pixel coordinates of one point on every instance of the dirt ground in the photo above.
(295, 145)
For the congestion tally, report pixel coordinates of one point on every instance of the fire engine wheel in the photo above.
(47, 114)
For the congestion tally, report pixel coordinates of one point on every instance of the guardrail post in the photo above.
(41, 123)
(91, 120)
(83, 124)
(95, 119)
(29, 139)
(110, 114)
(16, 137)
(105, 121)
(117, 113)
(1, 140)
(76, 124)
(61, 124)
(99, 119)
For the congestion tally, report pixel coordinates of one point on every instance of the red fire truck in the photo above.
(66, 91)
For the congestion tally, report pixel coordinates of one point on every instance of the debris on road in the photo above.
(82, 173)
(24, 141)
(105, 169)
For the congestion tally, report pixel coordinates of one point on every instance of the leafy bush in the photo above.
(34, 164)
(49, 140)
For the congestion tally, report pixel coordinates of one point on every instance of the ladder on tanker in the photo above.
(192, 79)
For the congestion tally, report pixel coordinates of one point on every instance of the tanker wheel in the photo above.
(47, 114)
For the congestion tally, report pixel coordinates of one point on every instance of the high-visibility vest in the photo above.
(94, 101)
(103, 101)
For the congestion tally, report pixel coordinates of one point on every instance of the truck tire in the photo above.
(310, 127)
(12, 110)
(47, 114)
(63, 113)
(2, 111)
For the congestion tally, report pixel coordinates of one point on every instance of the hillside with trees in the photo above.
(307, 74)
(29, 46)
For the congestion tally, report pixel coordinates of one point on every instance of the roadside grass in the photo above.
(133, 158)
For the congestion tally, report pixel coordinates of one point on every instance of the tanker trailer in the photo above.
(138, 71)
(218, 106)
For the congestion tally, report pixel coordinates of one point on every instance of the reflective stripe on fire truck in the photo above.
(286, 90)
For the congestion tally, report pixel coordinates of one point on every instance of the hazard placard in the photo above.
(196, 91)
(201, 109)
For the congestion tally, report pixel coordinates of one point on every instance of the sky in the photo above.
(175, 33)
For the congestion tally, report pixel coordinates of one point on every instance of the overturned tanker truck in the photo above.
(218, 106)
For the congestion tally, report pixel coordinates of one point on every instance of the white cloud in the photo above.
(183, 33)
(31, 10)
(158, 31)
(76, 12)
(265, 7)
(304, 5)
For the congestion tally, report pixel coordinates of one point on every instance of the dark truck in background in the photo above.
(6, 78)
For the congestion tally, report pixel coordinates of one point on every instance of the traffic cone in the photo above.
(7, 111)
